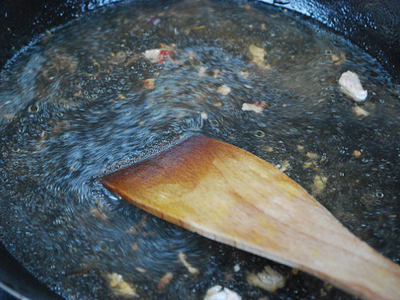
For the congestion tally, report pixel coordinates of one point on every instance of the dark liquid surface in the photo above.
(74, 103)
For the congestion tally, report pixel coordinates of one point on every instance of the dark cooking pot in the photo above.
(372, 25)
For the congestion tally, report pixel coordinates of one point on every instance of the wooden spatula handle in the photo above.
(229, 195)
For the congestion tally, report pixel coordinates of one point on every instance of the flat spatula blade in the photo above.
(229, 195)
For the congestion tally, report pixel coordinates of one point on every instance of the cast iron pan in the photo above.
(372, 25)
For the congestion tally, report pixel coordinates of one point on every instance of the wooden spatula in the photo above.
(231, 196)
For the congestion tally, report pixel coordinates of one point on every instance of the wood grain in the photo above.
(231, 196)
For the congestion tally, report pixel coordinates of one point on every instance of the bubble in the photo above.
(214, 122)
(347, 217)
(27, 260)
(33, 108)
(103, 247)
(259, 133)
(196, 63)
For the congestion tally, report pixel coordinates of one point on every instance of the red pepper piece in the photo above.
(165, 55)
(260, 104)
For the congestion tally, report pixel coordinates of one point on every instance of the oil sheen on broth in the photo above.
(84, 98)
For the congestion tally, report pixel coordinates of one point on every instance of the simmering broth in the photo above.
(90, 96)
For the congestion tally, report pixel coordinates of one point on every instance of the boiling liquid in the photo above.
(74, 104)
